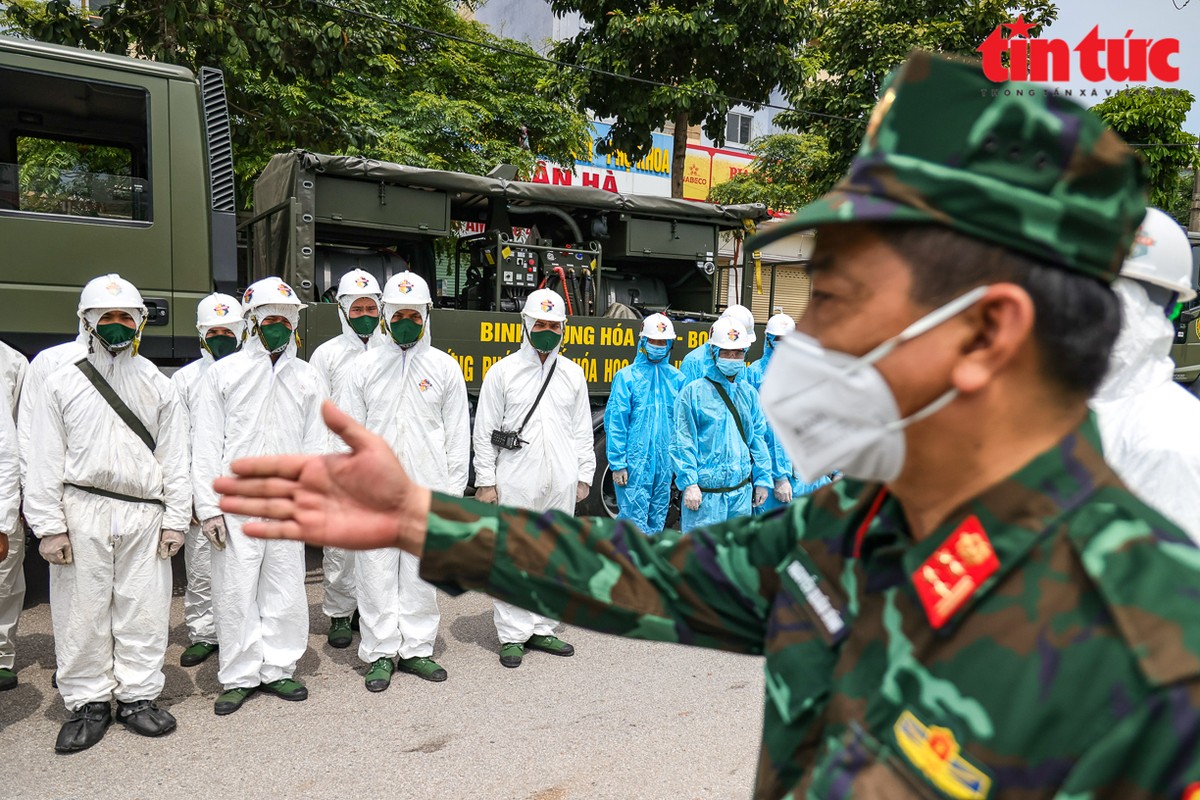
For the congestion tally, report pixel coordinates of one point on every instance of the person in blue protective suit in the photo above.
(695, 363)
(721, 460)
(637, 426)
(783, 475)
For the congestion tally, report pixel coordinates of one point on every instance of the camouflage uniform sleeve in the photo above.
(713, 587)
(1152, 754)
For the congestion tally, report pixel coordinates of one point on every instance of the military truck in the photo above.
(1186, 350)
(112, 164)
(483, 243)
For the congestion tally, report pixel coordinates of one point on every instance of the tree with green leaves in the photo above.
(1152, 119)
(781, 175)
(850, 46)
(706, 52)
(342, 78)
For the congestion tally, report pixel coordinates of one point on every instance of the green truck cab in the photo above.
(110, 164)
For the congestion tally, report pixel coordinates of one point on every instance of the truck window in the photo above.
(73, 147)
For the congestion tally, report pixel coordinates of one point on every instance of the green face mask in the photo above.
(274, 336)
(115, 335)
(406, 332)
(1174, 311)
(544, 341)
(364, 325)
(221, 345)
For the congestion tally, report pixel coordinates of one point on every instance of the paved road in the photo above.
(620, 720)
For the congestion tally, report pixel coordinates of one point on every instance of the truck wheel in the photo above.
(602, 501)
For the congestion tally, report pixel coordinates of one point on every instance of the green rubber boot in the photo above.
(550, 644)
(340, 633)
(231, 700)
(379, 676)
(423, 667)
(511, 654)
(197, 654)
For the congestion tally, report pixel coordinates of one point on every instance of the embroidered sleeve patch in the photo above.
(935, 752)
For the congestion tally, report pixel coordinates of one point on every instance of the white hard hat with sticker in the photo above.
(219, 311)
(1161, 255)
(545, 304)
(729, 334)
(658, 326)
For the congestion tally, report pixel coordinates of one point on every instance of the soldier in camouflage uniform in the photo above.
(999, 617)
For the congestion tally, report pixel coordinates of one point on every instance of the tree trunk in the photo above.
(679, 154)
(1194, 218)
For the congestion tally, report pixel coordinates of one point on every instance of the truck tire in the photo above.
(603, 503)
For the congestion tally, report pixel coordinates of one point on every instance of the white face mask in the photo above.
(834, 411)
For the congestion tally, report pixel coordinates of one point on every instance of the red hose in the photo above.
(562, 279)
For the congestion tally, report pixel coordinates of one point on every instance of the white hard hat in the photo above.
(270, 292)
(744, 316)
(729, 334)
(1161, 255)
(545, 304)
(406, 289)
(358, 283)
(780, 325)
(219, 311)
(110, 292)
(658, 326)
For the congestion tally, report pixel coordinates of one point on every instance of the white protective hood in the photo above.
(1141, 357)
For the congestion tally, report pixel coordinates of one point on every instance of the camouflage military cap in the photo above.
(1008, 163)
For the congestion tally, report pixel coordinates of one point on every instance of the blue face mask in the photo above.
(730, 367)
(771, 339)
(657, 352)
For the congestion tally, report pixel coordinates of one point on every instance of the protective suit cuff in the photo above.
(460, 543)
(207, 512)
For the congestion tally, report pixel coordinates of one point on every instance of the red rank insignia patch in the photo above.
(951, 575)
(1192, 791)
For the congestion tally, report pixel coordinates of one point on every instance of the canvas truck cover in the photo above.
(289, 180)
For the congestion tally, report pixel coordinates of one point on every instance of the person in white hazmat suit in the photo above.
(108, 495)
(42, 365)
(358, 311)
(12, 534)
(414, 396)
(544, 463)
(1149, 425)
(261, 400)
(695, 363)
(222, 331)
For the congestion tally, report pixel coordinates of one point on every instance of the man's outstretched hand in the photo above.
(359, 500)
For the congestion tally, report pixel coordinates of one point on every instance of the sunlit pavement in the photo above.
(621, 719)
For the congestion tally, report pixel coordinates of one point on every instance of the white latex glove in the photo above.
(692, 497)
(56, 549)
(760, 496)
(215, 531)
(621, 477)
(169, 543)
(783, 490)
(486, 494)
(582, 491)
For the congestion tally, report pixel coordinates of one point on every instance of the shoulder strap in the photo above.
(538, 399)
(737, 418)
(118, 405)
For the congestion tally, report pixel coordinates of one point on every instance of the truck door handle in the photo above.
(157, 311)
